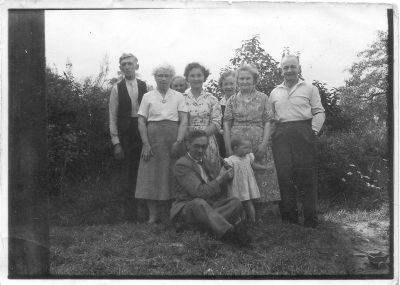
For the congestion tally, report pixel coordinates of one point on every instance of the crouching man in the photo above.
(198, 200)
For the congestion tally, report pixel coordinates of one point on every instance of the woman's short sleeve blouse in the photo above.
(154, 108)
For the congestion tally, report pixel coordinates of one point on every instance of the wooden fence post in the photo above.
(28, 190)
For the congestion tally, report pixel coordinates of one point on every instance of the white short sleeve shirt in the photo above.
(302, 102)
(156, 108)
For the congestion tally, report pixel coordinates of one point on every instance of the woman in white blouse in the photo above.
(162, 126)
(204, 111)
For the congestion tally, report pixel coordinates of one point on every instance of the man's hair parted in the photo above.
(127, 55)
(192, 135)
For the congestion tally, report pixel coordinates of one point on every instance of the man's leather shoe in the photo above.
(240, 233)
(237, 234)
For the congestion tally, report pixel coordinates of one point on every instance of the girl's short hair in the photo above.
(193, 65)
(237, 141)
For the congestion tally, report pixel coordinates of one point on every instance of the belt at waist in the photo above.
(294, 123)
(162, 122)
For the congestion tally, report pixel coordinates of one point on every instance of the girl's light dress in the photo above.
(244, 184)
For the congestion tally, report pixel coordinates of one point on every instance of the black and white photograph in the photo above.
(199, 140)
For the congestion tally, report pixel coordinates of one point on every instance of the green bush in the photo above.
(78, 137)
(353, 168)
(336, 119)
(354, 159)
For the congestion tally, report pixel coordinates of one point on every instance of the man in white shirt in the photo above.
(124, 104)
(299, 116)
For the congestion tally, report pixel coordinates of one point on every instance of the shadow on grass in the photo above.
(90, 202)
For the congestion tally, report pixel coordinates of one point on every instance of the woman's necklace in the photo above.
(163, 96)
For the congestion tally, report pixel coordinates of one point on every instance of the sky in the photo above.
(328, 36)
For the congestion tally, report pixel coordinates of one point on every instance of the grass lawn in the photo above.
(337, 247)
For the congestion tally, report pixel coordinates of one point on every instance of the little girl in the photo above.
(244, 185)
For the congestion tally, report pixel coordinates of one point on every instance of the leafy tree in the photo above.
(336, 119)
(252, 53)
(365, 92)
(213, 88)
(354, 163)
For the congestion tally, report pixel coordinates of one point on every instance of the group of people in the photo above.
(219, 162)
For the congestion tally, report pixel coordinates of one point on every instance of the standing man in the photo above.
(298, 112)
(124, 104)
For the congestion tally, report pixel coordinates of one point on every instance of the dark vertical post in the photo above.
(390, 128)
(28, 195)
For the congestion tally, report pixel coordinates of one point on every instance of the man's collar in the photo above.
(130, 80)
(283, 85)
(195, 160)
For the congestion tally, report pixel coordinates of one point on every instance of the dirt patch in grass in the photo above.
(366, 232)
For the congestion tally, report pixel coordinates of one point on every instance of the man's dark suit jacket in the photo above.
(190, 184)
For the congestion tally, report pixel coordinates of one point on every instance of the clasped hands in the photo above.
(225, 174)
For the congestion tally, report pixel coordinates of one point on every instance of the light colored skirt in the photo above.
(155, 176)
(212, 152)
(267, 180)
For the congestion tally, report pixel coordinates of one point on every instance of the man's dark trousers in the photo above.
(295, 155)
(132, 146)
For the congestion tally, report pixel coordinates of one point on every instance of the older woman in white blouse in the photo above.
(162, 125)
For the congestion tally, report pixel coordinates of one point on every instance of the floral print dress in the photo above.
(202, 112)
(248, 119)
